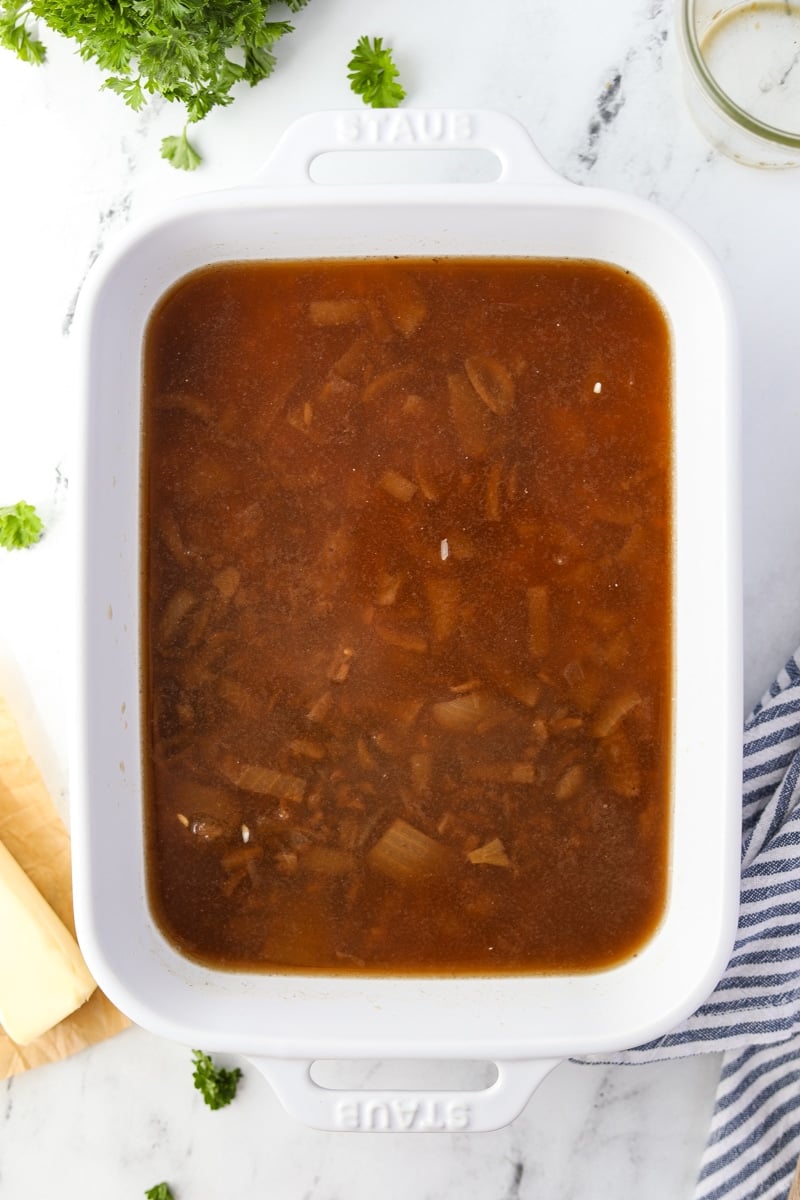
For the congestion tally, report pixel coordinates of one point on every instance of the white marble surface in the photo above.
(599, 88)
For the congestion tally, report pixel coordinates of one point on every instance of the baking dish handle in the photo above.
(406, 129)
(404, 1111)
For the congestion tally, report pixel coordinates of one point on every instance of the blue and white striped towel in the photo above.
(753, 1015)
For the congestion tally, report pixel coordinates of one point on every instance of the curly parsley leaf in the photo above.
(14, 32)
(130, 89)
(161, 1191)
(216, 1084)
(373, 75)
(193, 52)
(20, 526)
(180, 152)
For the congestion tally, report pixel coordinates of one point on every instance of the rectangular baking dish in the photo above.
(524, 1024)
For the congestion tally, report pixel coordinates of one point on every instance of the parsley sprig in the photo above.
(20, 526)
(161, 1191)
(178, 49)
(180, 152)
(373, 75)
(216, 1084)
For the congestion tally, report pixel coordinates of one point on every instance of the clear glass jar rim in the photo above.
(770, 133)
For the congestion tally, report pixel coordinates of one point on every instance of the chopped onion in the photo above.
(320, 708)
(493, 854)
(614, 711)
(492, 382)
(464, 713)
(443, 595)
(386, 381)
(426, 479)
(538, 621)
(404, 639)
(179, 605)
(386, 589)
(238, 696)
(252, 777)
(421, 770)
(492, 505)
(398, 486)
(570, 782)
(242, 856)
(307, 748)
(406, 305)
(340, 664)
(469, 416)
(524, 688)
(334, 312)
(187, 402)
(408, 855)
(351, 365)
(227, 582)
(622, 767)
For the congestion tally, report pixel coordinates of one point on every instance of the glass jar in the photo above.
(742, 75)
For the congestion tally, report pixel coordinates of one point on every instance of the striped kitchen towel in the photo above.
(753, 1015)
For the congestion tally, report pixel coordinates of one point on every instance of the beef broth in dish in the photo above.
(407, 600)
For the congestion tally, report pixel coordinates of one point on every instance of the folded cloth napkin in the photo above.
(753, 1015)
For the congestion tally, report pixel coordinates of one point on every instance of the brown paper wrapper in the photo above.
(34, 833)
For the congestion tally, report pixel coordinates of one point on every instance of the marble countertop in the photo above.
(599, 88)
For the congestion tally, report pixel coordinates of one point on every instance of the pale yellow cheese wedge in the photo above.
(43, 977)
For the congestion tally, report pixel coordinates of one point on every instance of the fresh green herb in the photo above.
(161, 1191)
(373, 75)
(15, 34)
(180, 152)
(217, 1084)
(170, 48)
(20, 526)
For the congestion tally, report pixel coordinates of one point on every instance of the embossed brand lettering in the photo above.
(376, 1116)
(405, 129)
(347, 1115)
(402, 1114)
(406, 1113)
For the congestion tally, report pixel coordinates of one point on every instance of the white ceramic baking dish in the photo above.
(523, 1024)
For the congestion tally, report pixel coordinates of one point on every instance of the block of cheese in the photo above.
(43, 977)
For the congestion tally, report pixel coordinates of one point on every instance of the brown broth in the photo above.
(407, 615)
